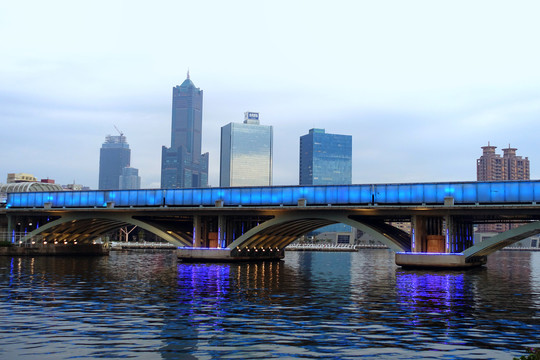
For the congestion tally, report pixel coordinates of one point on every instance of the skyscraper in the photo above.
(325, 159)
(183, 165)
(246, 153)
(114, 155)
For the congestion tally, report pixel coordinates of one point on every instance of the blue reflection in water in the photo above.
(432, 293)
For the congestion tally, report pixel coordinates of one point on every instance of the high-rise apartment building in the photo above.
(246, 153)
(494, 167)
(114, 156)
(183, 165)
(325, 159)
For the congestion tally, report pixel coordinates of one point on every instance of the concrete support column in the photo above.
(459, 235)
(427, 234)
(222, 231)
(197, 242)
(10, 227)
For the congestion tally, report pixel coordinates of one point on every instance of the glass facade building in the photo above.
(114, 156)
(246, 153)
(183, 165)
(325, 159)
(130, 179)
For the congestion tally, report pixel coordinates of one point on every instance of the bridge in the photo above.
(259, 222)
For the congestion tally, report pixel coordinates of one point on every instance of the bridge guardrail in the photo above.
(514, 192)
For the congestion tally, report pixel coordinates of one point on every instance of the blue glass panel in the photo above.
(379, 193)
(536, 191)
(206, 196)
(69, 199)
(511, 192)
(319, 195)
(197, 197)
(218, 194)
(287, 195)
(483, 192)
(31, 200)
(100, 198)
(309, 194)
(176, 197)
(331, 195)
(277, 195)
(343, 192)
(124, 198)
(526, 192)
(143, 197)
(430, 193)
(297, 193)
(497, 193)
(188, 196)
(404, 194)
(83, 199)
(366, 193)
(442, 192)
(60, 199)
(236, 196)
(91, 198)
(417, 193)
(133, 197)
(391, 194)
(75, 199)
(245, 196)
(255, 196)
(39, 199)
(266, 195)
(457, 192)
(14, 200)
(470, 193)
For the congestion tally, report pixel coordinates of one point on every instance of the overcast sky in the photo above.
(420, 85)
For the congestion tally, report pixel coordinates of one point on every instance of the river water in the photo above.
(311, 305)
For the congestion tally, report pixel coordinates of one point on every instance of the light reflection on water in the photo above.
(311, 305)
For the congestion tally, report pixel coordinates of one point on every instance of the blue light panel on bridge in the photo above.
(429, 193)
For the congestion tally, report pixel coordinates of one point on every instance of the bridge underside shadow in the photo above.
(86, 228)
(286, 228)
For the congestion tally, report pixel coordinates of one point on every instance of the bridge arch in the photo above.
(88, 227)
(286, 228)
(502, 240)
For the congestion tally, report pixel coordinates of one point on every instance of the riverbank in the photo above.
(56, 250)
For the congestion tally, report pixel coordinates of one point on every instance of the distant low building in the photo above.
(20, 177)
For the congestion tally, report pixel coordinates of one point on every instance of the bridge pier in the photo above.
(438, 242)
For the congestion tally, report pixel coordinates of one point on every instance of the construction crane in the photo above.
(121, 133)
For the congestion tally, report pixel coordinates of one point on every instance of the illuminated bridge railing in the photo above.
(383, 194)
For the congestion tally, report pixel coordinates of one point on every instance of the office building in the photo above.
(114, 156)
(130, 179)
(325, 159)
(494, 167)
(246, 153)
(182, 164)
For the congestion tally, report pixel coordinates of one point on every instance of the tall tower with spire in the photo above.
(182, 164)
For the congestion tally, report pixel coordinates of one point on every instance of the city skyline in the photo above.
(418, 93)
